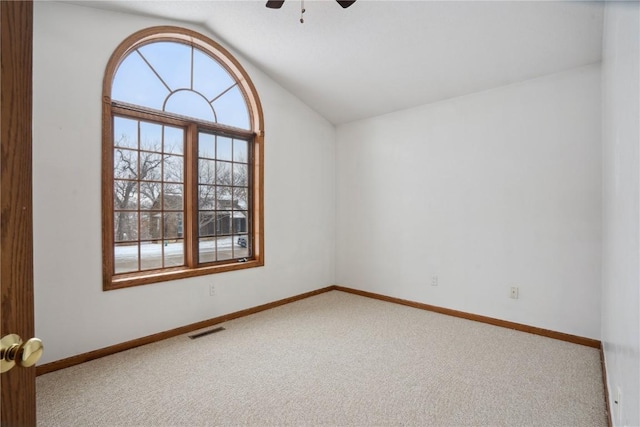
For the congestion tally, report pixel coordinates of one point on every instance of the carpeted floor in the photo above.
(335, 359)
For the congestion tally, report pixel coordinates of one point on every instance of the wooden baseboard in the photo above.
(606, 387)
(478, 318)
(106, 351)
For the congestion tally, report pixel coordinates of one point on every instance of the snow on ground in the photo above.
(150, 250)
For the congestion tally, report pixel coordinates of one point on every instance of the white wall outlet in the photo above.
(434, 280)
(212, 290)
(514, 292)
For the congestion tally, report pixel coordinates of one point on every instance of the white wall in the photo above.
(621, 212)
(72, 45)
(487, 191)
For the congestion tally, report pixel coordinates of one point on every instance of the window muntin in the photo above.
(181, 79)
(224, 214)
(182, 168)
(148, 195)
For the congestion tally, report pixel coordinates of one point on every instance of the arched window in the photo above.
(182, 160)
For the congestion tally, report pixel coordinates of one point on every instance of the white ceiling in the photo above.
(381, 56)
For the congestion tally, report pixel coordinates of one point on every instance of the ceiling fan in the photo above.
(273, 4)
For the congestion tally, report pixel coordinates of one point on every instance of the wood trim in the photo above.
(606, 388)
(156, 276)
(191, 184)
(17, 386)
(162, 117)
(111, 281)
(172, 33)
(193, 38)
(106, 351)
(107, 194)
(258, 199)
(478, 318)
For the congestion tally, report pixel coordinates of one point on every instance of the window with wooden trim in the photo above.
(182, 161)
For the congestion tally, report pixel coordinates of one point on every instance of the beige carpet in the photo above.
(335, 359)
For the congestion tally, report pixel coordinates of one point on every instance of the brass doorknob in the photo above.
(13, 351)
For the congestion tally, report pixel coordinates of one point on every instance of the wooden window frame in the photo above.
(255, 136)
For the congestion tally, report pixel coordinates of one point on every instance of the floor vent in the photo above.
(209, 332)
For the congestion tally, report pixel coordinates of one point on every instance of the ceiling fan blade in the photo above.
(345, 4)
(273, 4)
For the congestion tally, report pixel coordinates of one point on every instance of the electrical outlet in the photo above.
(212, 290)
(434, 280)
(514, 292)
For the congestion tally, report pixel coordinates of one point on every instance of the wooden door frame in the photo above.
(18, 401)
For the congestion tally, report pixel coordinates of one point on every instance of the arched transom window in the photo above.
(182, 160)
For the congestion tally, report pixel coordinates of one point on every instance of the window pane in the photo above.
(150, 195)
(240, 198)
(152, 222)
(207, 224)
(223, 223)
(150, 226)
(125, 195)
(240, 174)
(173, 168)
(135, 83)
(239, 222)
(125, 132)
(125, 257)
(224, 148)
(209, 78)
(173, 196)
(224, 197)
(150, 255)
(225, 248)
(174, 253)
(231, 109)
(125, 163)
(223, 173)
(173, 140)
(207, 250)
(150, 137)
(173, 225)
(172, 61)
(242, 246)
(190, 104)
(150, 166)
(206, 145)
(240, 151)
(206, 197)
(206, 171)
(125, 226)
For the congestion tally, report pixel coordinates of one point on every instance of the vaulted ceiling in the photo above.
(381, 56)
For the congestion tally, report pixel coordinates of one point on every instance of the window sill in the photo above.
(135, 279)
